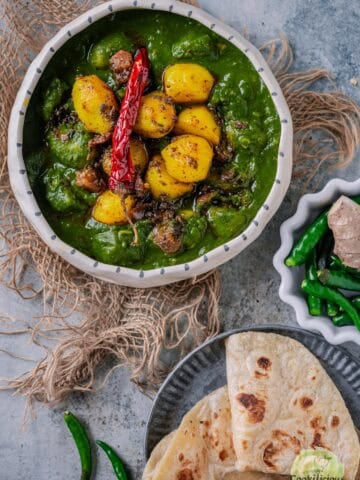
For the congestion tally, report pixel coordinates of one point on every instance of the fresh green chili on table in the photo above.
(115, 460)
(82, 443)
(333, 296)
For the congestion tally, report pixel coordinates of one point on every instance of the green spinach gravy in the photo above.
(243, 169)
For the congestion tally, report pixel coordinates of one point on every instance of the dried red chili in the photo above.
(122, 167)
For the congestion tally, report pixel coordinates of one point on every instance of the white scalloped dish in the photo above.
(156, 276)
(309, 207)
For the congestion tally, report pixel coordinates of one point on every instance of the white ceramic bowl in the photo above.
(309, 207)
(129, 276)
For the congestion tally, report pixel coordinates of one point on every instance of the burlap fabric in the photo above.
(134, 327)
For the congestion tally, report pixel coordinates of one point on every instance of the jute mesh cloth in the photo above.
(134, 327)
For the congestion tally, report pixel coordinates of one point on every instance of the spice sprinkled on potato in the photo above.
(95, 104)
(156, 116)
(110, 209)
(188, 158)
(138, 153)
(161, 183)
(188, 83)
(198, 120)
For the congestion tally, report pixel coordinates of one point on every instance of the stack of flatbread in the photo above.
(278, 401)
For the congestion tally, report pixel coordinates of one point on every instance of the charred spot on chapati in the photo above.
(223, 455)
(269, 454)
(264, 363)
(335, 421)
(185, 474)
(315, 423)
(281, 442)
(255, 406)
(319, 428)
(317, 441)
(306, 403)
(286, 440)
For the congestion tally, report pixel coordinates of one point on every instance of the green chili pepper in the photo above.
(337, 264)
(308, 241)
(310, 238)
(343, 318)
(324, 249)
(333, 296)
(115, 460)
(82, 443)
(356, 302)
(314, 303)
(331, 309)
(339, 279)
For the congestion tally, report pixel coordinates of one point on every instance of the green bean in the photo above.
(308, 241)
(331, 309)
(339, 279)
(314, 303)
(82, 443)
(333, 296)
(115, 460)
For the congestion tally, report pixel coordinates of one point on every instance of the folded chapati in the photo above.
(201, 448)
(278, 401)
(282, 400)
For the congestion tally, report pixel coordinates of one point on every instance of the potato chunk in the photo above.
(95, 104)
(156, 117)
(138, 153)
(161, 183)
(198, 120)
(188, 83)
(109, 208)
(188, 158)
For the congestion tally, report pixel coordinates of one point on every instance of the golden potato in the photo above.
(161, 183)
(109, 208)
(188, 83)
(188, 158)
(198, 120)
(156, 117)
(106, 161)
(95, 104)
(138, 153)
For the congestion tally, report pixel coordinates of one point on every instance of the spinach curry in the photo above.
(204, 145)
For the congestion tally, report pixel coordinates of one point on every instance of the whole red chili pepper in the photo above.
(122, 167)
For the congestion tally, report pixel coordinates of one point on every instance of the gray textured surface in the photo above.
(324, 33)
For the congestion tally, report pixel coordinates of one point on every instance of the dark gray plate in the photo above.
(203, 371)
